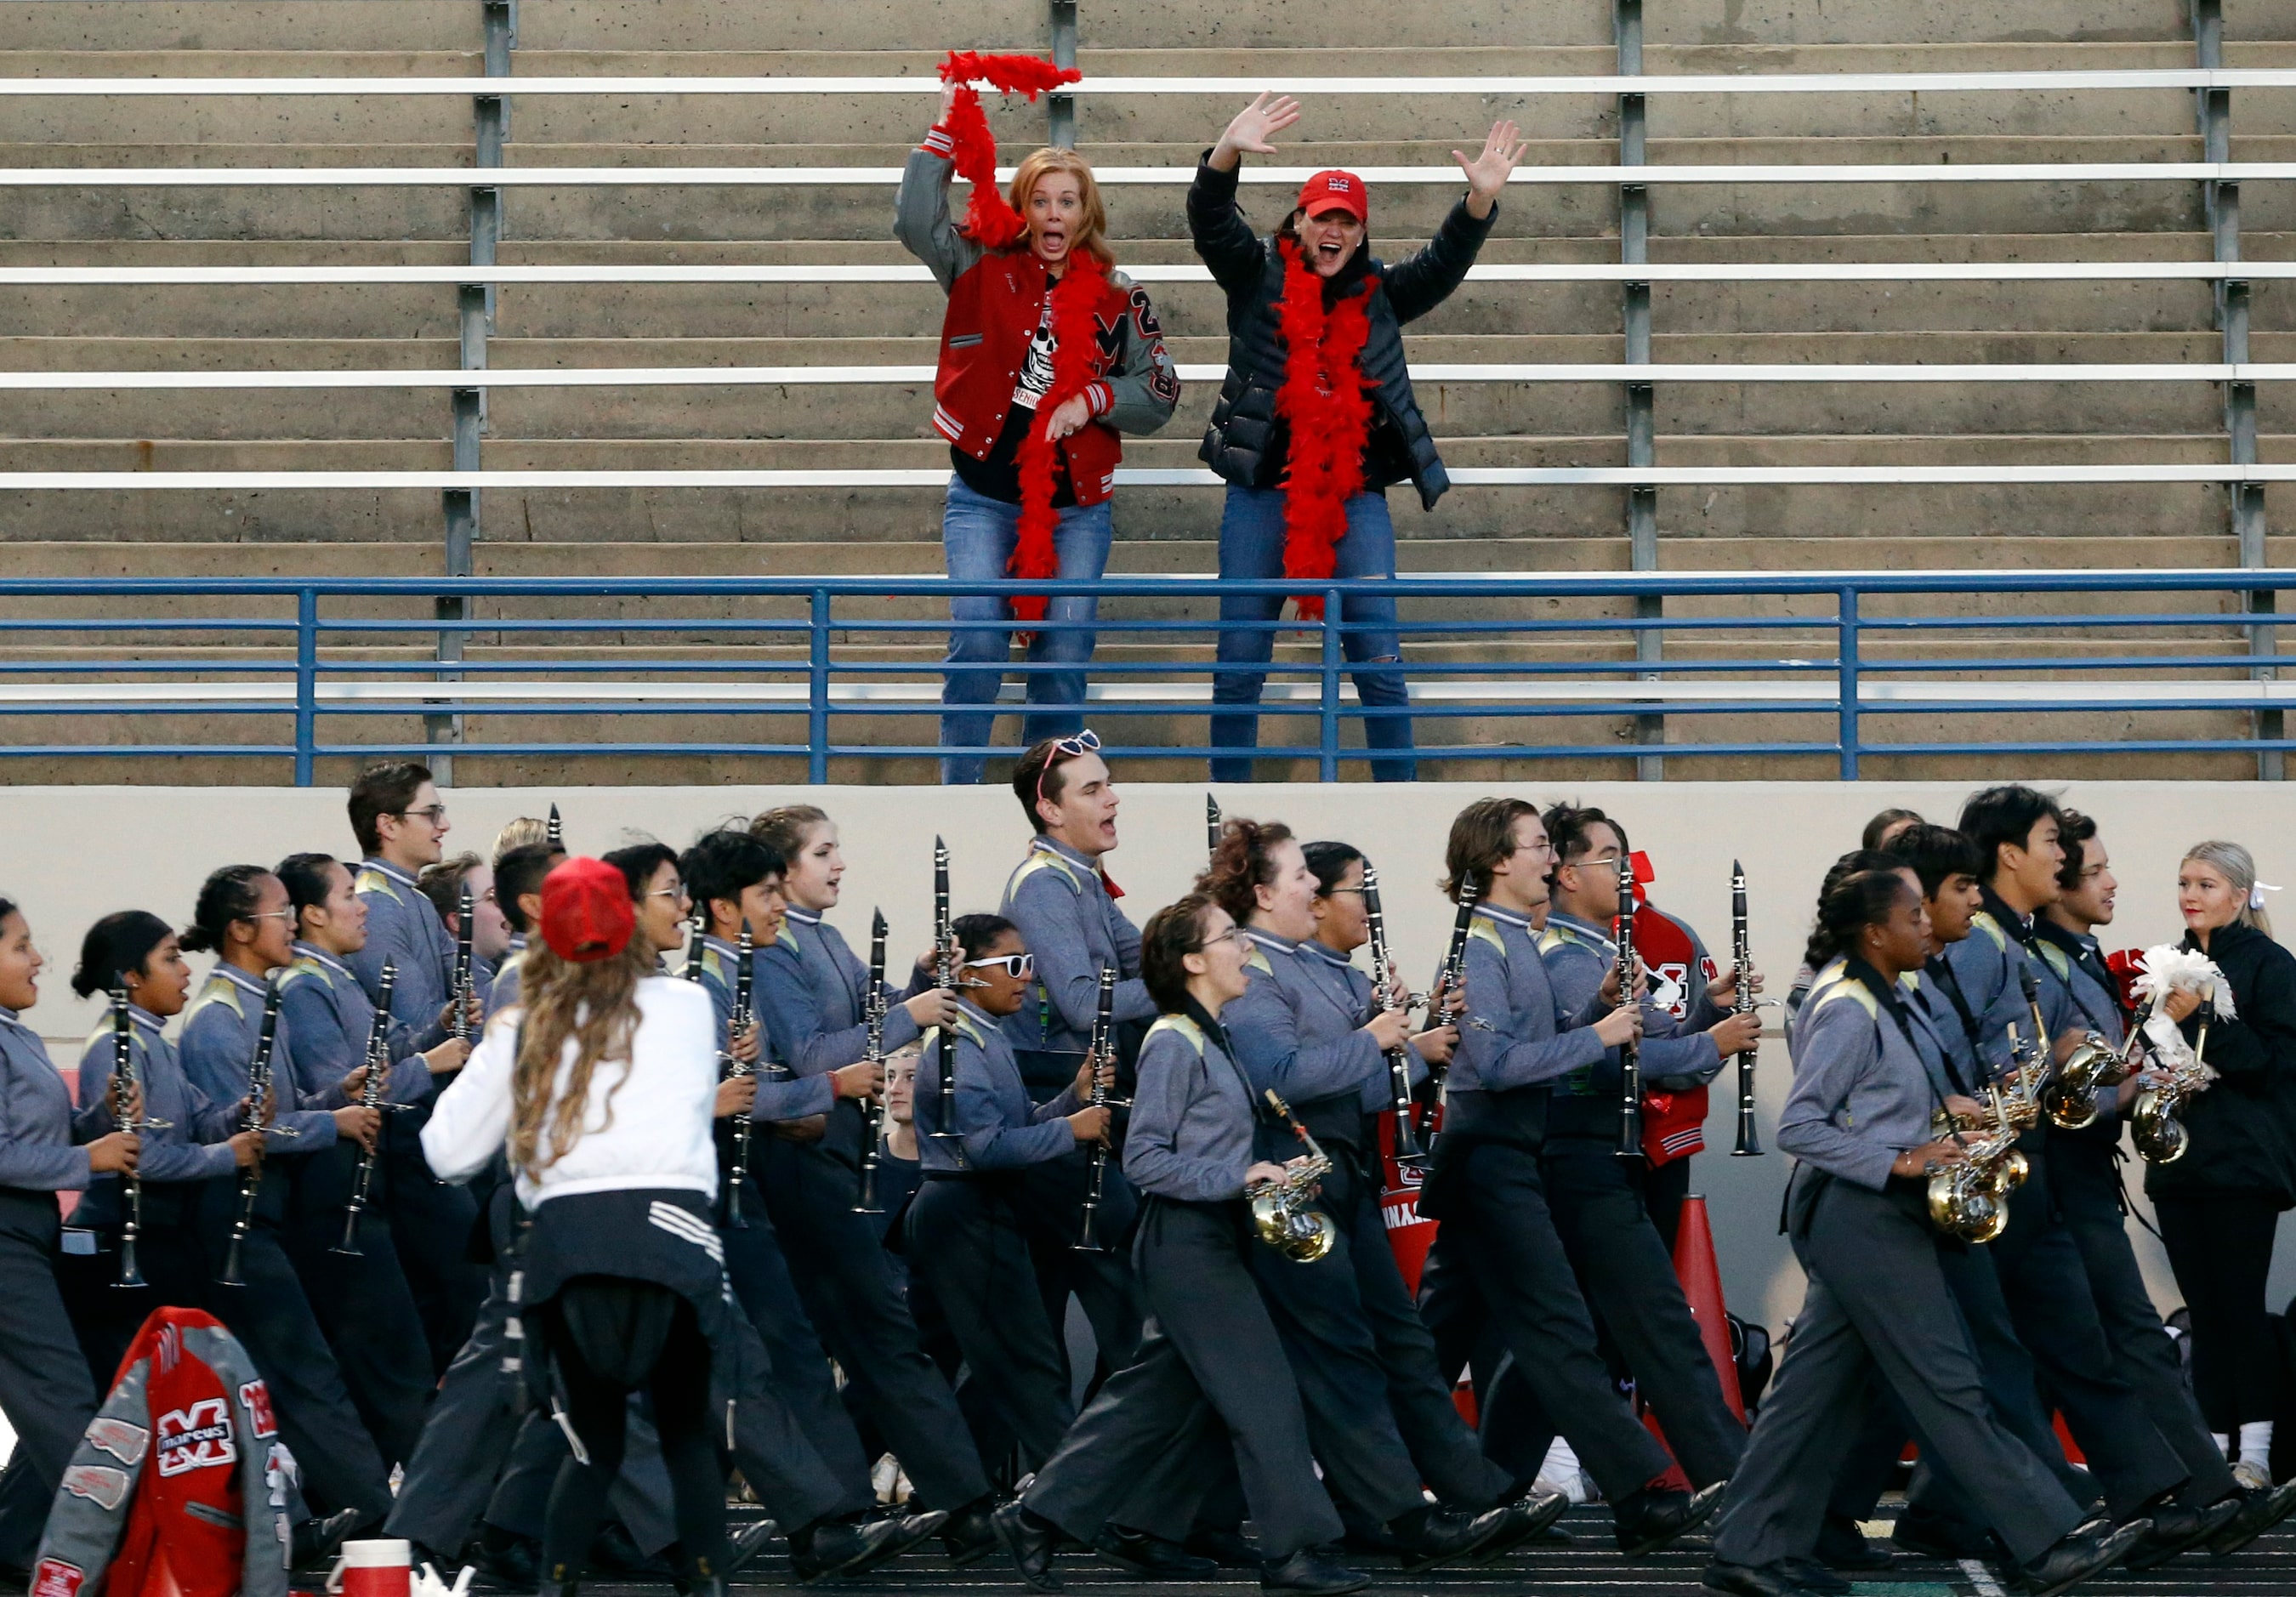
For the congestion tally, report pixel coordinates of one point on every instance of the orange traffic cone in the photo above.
(1701, 1285)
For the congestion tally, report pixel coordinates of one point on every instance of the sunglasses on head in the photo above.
(1020, 966)
(1086, 741)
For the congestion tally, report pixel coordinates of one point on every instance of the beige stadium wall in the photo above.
(79, 852)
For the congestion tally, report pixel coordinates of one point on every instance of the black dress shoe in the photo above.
(615, 1553)
(745, 1542)
(817, 1552)
(1152, 1556)
(1522, 1522)
(1814, 1577)
(1030, 1537)
(2260, 1510)
(1752, 1580)
(967, 1534)
(506, 1563)
(315, 1541)
(2087, 1549)
(1841, 1545)
(1648, 1520)
(1932, 1535)
(2175, 1528)
(1441, 1536)
(1307, 1573)
(1229, 1549)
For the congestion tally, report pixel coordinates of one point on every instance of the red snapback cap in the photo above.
(586, 913)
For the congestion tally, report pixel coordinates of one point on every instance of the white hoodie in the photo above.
(660, 1104)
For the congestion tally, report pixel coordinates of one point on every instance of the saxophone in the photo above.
(1280, 1214)
(2070, 1100)
(2160, 1136)
(1971, 1199)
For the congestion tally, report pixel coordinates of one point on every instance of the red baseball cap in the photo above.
(586, 913)
(1336, 191)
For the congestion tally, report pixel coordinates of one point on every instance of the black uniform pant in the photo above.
(1496, 1224)
(1357, 1386)
(2055, 1310)
(964, 1242)
(2220, 1248)
(1628, 1278)
(45, 1389)
(1209, 1346)
(850, 1296)
(2084, 1178)
(272, 1318)
(430, 1225)
(362, 1302)
(1664, 1187)
(1877, 1302)
(1050, 1205)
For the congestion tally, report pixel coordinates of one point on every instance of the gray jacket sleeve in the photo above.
(1502, 1059)
(1142, 389)
(1171, 1075)
(1267, 1037)
(920, 218)
(1838, 1043)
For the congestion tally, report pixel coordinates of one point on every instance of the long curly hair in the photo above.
(595, 1005)
(1243, 862)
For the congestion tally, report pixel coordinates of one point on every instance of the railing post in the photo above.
(817, 730)
(307, 685)
(1060, 107)
(1846, 683)
(1327, 764)
(1642, 429)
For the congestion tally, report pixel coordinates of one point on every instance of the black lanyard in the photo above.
(1886, 994)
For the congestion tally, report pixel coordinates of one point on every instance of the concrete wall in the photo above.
(82, 852)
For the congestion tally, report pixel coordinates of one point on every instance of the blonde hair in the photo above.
(1092, 233)
(526, 829)
(2239, 866)
(593, 1002)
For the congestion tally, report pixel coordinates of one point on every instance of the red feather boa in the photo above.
(991, 222)
(1323, 403)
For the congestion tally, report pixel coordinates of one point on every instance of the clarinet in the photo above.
(1630, 1055)
(1742, 950)
(259, 1093)
(880, 1117)
(945, 978)
(378, 1067)
(1212, 825)
(1104, 1030)
(745, 965)
(464, 917)
(555, 830)
(1451, 981)
(1408, 1149)
(123, 1089)
(697, 929)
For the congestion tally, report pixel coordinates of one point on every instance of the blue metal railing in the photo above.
(1819, 653)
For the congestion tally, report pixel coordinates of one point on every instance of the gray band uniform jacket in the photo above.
(1984, 967)
(502, 992)
(1059, 900)
(220, 1032)
(1298, 1029)
(780, 1095)
(40, 1131)
(1675, 1057)
(1000, 1127)
(187, 1150)
(812, 992)
(1517, 1039)
(401, 925)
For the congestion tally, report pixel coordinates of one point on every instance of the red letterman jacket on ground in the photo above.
(995, 302)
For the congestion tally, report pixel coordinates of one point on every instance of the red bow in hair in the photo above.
(1323, 403)
(991, 222)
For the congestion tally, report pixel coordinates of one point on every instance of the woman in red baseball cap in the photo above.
(1317, 419)
(602, 1082)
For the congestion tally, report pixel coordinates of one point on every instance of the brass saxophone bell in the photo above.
(2071, 1098)
(1281, 1218)
(2160, 1136)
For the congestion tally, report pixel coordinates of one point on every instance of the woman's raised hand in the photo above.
(1249, 134)
(1489, 172)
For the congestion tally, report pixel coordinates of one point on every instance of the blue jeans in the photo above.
(977, 534)
(1251, 547)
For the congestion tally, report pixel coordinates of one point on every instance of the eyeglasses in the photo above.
(436, 814)
(1335, 892)
(1020, 966)
(1086, 741)
(675, 892)
(1234, 934)
(269, 914)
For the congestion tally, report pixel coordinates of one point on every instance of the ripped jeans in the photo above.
(1251, 547)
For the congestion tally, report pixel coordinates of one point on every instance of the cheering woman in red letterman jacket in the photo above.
(1317, 419)
(1046, 353)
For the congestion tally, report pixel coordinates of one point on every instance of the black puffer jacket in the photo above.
(1244, 442)
(2243, 1126)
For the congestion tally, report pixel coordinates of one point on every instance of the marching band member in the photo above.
(2220, 1205)
(1210, 1358)
(1623, 1265)
(519, 871)
(2084, 1182)
(1307, 1037)
(1857, 1121)
(47, 1147)
(1486, 1186)
(244, 917)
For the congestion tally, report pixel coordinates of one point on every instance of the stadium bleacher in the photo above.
(2116, 271)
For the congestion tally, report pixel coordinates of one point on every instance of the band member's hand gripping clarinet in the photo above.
(378, 1068)
(258, 1103)
(945, 978)
(745, 975)
(1408, 1149)
(1630, 1056)
(127, 1093)
(880, 1118)
(1750, 1144)
(1103, 1038)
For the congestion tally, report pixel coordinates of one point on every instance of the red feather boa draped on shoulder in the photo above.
(1323, 404)
(991, 222)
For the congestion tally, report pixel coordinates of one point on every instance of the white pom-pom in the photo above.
(2168, 968)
